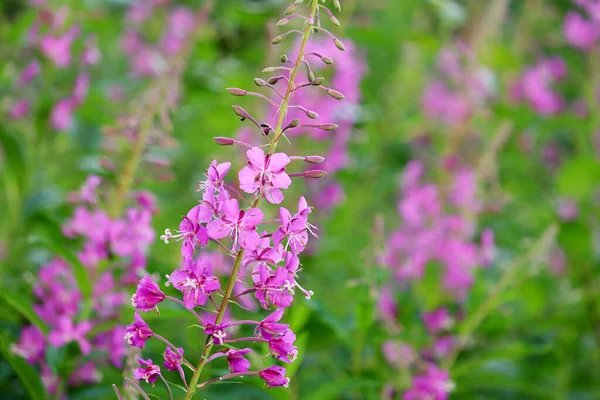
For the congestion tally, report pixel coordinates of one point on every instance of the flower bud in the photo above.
(314, 159)
(315, 173)
(260, 82)
(278, 39)
(317, 81)
(284, 58)
(328, 127)
(327, 60)
(312, 115)
(334, 20)
(310, 75)
(240, 112)
(237, 91)
(337, 5)
(335, 94)
(283, 21)
(294, 123)
(290, 9)
(223, 141)
(298, 2)
(269, 69)
(273, 80)
(337, 43)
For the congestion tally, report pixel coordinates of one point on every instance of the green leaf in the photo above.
(79, 271)
(22, 305)
(579, 177)
(27, 374)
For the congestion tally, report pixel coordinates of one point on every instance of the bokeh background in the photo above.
(496, 101)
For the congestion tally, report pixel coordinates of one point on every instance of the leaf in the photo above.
(23, 307)
(27, 374)
(79, 271)
(579, 177)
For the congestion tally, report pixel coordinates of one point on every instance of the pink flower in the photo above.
(215, 176)
(61, 116)
(438, 320)
(173, 359)
(80, 90)
(270, 287)
(292, 229)
(67, 331)
(31, 71)
(195, 281)
(86, 374)
(147, 295)
(274, 376)
(270, 328)
(238, 224)
(579, 32)
(435, 384)
(282, 347)
(31, 345)
(137, 333)
(148, 372)
(58, 49)
(19, 109)
(236, 361)
(265, 174)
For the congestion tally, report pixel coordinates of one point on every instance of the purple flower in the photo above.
(67, 331)
(398, 354)
(137, 333)
(269, 287)
(173, 359)
(274, 376)
(58, 49)
(236, 361)
(31, 345)
(434, 384)
(195, 281)
(263, 253)
(113, 344)
(147, 295)
(217, 331)
(265, 174)
(91, 55)
(31, 71)
(88, 192)
(148, 372)
(282, 347)
(579, 32)
(292, 229)
(438, 320)
(270, 328)
(238, 224)
(88, 373)
(61, 116)
(19, 109)
(80, 90)
(215, 176)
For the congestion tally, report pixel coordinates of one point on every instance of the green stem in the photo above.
(492, 301)
(193, 387)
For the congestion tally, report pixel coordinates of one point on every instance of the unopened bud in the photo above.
(294, 123)
(310, 75)
(314, 159)
(240, 112)
(335, 94)
(328, 127)
(237, 91)
(283, 21)
(315, 173)
(312, 115)
(337, 43)
(269, 69)
(317, 81)
(273, 80)
(334, 20)
(290, 9)
(337, 5)
(223, 141)
(278, 39)
(298, 2)
(260, 82)
(284, 58)
(327, 60)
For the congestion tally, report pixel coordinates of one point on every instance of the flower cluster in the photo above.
(437, 232)
(147, 59)
(583, 31)
(535, 86)
(54, 40)
(111, 248)
(461, 87)
(264, 251)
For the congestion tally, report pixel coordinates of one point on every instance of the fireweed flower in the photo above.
(148, 295)
(173, 360)
(148, 371)
(583, 31)
(264, 250)
(137, 333)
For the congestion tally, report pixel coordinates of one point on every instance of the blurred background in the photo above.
(458, 223)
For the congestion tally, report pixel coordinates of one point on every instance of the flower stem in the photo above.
(291, 83)
(238, 259)
(228, 376)
(491, 302)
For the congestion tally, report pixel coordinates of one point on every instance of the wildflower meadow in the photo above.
(300, 199)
